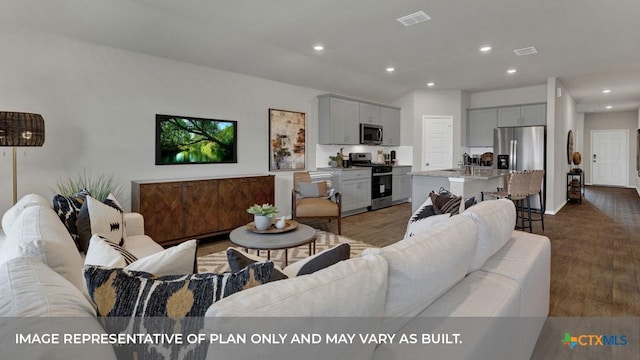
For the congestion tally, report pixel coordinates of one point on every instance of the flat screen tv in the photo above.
(191, 140)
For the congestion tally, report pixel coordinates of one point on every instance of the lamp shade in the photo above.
(21, 129)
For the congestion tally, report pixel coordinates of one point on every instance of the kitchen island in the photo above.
(459, 181)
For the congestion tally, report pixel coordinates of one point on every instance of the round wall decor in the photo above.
(569, 146)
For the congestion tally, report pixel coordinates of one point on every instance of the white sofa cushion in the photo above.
(424, 267)
(39, 233)
(350, 293)
(483, 308)
(176, 260)
(26, 201)
(334, 291)
(526, 258)
(495, 220)
(36, 300)
(30, 288)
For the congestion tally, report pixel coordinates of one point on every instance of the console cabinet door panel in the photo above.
(161, 206)
(200, 207)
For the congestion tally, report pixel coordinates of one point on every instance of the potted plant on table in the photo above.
(262, 215)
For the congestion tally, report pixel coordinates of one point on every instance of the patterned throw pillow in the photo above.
(319, 261)
(175, 260)
(423, 218)
(136, 302)
(103, 218)
(447, 204)
(67, 208)
(239, 259)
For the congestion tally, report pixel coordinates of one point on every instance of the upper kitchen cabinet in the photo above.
(369, 114)
(390, 121)
(480, 125)
(338, 120)
(524, 115)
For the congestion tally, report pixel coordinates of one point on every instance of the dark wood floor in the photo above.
(595, 249)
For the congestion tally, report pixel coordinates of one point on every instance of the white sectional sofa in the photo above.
(471, 274)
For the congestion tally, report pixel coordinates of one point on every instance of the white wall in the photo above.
(617, 120)
(561, 117)
(638, 172)
(516, 96)
(428, 102)
(99, 106)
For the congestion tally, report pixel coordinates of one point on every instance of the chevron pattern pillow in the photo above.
(102, 218)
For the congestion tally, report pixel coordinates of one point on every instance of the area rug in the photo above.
(217, 262)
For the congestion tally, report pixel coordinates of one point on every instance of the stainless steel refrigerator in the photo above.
(521, 148)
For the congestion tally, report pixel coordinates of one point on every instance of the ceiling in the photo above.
(589, 45)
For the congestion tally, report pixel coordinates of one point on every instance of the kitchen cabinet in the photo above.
(338, 121)
(178, 210)
(401, 183)
(390, 121)
(369, 114)
(480, 125)
(522, 115)
(355, 185)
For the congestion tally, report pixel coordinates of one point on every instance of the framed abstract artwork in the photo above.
(287, 133)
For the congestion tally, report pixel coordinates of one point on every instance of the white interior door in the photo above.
(609, 157)
(437, 142)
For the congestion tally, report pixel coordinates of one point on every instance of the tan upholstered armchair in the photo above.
(311, 200)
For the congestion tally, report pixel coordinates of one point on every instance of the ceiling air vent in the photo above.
(415, 18)
(526, 51)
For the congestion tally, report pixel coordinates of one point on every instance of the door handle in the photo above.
(427, 164)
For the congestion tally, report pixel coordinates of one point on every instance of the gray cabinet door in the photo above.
(533, 115)
(338, 121)
(480, 125)
(509, 116)
(369, 114)
(390, 121)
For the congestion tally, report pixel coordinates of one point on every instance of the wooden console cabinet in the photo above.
(178, 210)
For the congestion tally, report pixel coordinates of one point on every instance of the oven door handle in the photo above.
(382, 174)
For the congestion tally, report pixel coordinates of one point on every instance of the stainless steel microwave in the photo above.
(370, 134)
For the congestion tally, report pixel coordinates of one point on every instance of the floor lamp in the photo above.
(18, 129)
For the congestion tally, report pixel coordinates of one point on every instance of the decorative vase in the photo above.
(262, 222)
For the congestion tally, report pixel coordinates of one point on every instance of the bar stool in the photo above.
(535, 188)
(518, 191)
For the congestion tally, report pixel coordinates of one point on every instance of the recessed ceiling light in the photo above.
(606, 91)
(391, 69)
(511, 71)
(318, 48)
(485, 48)
(608, 106)
(430, 84)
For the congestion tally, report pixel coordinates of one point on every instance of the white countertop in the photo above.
(477, 173)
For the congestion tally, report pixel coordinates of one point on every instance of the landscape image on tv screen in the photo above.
(190, 140)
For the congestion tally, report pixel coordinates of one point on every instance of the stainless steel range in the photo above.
(381, 176)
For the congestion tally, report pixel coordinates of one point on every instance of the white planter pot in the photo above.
(262, 222)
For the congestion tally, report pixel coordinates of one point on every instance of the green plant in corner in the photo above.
(100, 186)
(263, 210)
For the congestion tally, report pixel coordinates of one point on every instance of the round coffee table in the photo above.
(302, 235)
